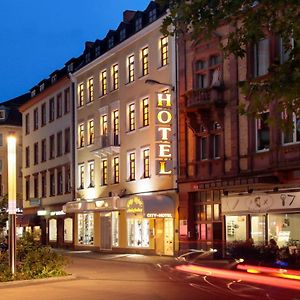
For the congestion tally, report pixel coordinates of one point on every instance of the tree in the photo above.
(3, 212)
(251, 21)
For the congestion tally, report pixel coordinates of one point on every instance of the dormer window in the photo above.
(88, 57)
(122, 34)
(138, 24)
(2, 114)
(97, 51)
(53, 78)
(111, 42)
(152, 15)
(33, 93)
(70, 67)
(42, 87)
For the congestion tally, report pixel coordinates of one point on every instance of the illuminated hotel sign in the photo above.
(164, 118)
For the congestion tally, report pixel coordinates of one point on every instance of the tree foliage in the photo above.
(3, 212)
(250, 21)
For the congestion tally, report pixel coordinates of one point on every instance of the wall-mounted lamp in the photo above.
(153, 82)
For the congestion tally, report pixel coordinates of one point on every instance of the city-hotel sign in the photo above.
(164, 134)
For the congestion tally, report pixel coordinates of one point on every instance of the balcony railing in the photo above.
(106, 145)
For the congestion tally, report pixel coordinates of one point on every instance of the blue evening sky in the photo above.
(39, 36)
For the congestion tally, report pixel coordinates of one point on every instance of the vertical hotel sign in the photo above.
(164, 118)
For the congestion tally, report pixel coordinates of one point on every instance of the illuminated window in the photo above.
(164, 50)
(145, 111)
(86, 229)
(90, 90)
(146, 163)
(262, 132)
(116, 167)
(51, 110)
(115, 228)
(91, 166)
(116, 127)
(43, 111)
(131, 117)
(68, 230)
(104, 131)
(80, 94)
(53, 230)
(138, 231)
(145, 61)
(91, 133)
(131, 68)
(59, 105)
(80, 135)
(81, 176)
(104, 171)
(35, 119)
(131, 158)
(103, 82)
(51, 147)
(115, 76)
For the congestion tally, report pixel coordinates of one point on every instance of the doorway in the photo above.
(168, 236)
(105, 231)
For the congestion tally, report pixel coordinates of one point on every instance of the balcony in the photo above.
(106, 145)
(205, 99)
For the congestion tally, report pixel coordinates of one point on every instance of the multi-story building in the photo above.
(239, 177)
(126, 139)
(11, 124)
(48, 158)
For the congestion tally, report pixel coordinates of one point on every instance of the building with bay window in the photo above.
(48, 159)
(126, 139)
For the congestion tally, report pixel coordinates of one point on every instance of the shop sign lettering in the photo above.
(159, 215)
(134, 205)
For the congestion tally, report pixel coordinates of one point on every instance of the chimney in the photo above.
(128, 15)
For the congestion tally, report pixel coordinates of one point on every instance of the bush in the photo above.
(33, 261)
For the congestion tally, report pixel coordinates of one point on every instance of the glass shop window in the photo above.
(138, 233)
(115, 228)
(68, 230)
(86, 229)
(236, 228)
(258, 229)
(52, 230)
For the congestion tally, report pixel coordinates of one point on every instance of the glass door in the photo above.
(168, 236)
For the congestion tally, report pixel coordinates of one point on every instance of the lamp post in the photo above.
(12, 200)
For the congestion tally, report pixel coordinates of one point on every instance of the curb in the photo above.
(37, 281)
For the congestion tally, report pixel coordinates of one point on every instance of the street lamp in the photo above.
(153, 82)
(12, 200)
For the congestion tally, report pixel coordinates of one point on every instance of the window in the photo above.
(52, 147)
(88, 57)
(43, 112)
(146, 163)
(115, 228)
(145, 61)
(52, 230)
(130, 66)
(59, 105)
(70, 67)
(152, 15)
(145, 112)
(285, 49)
(131, 117)
(36, 153)
(81, 135)
(59, 144)
(104, 171)
(116, 169)
(27, 157)
(27, 187)
(91, 133)
(214, 60)
(138, 24)
(131, 158)
(138, 232)
(216, 140)
(2, 114)
(53, 78)
(59, 182)
(236, 228)
(116, 127)
(97, 51)
(80, 95)
(261, 58)
(104, 131)
(68, 230)
(91, 168)
(111, 42)
(199, 65)
(27, 130)
(42, 87)
(292, 135)
(202, 147)
(86, 229)
(90, 90)
(81, 176)
(44, 150)
(51, 110)
(67, 140)
(262, 132)
(122, 34)
(103, 81)
(67, 179)
(67, 104)
(201, 81)
(164, 50)
(36, 186)
(52, 184)
(35, 119)
(115, 76)
(44, 184)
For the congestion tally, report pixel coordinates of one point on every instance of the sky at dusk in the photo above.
(37, 37)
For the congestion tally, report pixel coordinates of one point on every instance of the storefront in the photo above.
(262, 216)
(137, 224)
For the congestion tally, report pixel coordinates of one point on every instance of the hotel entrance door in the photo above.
(168, 236)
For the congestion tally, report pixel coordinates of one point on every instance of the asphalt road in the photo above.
(130, 279)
